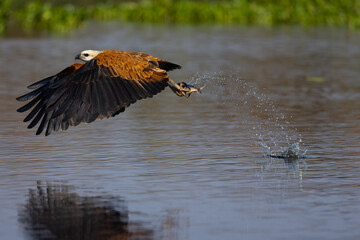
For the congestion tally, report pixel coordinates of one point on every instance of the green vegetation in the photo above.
(60, 16)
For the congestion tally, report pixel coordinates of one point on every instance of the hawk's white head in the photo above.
(87, 55)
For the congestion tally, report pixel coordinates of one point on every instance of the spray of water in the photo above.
(271, 129)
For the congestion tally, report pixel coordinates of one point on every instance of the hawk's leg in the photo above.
(183, 89)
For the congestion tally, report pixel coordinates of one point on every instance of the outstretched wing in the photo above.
(168, 66)
(100, 88)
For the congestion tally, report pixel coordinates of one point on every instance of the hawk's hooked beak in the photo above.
(77, 57)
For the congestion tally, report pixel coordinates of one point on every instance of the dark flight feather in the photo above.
(40, 83)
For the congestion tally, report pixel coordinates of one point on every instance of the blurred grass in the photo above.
(63, 15)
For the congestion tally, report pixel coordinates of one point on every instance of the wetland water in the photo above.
(174, 168)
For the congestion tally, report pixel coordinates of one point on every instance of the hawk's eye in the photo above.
(86, 54)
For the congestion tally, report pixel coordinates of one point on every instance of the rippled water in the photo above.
(194, 168)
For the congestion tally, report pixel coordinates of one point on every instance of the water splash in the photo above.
(270, 128)
(292, 152)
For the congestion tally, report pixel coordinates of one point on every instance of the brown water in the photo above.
(194, 168)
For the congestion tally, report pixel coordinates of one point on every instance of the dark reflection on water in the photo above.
(56, 211)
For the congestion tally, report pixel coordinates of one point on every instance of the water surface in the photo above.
(200, 161)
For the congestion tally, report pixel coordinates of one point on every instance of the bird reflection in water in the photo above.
(55, 212)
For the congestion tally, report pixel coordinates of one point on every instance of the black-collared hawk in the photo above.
(102, 86)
